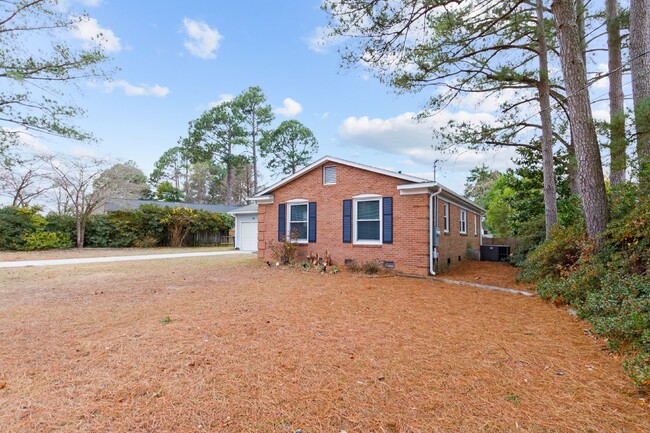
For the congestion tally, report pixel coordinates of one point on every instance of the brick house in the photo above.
(363, 213)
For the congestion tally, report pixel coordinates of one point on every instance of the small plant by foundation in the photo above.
(285, 252)
(166, 320)
(371, 267)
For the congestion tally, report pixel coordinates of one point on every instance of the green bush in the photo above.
(17, 222)
(98, 231)
(64, 224)
(45, 241)
(556, 256)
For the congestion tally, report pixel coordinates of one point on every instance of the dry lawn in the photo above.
(74, 253)
(226, 344)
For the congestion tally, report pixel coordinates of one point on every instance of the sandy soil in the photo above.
(74, 253)
(227, 344)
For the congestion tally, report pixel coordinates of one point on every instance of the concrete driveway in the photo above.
(58, 262)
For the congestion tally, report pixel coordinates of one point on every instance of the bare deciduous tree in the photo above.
(23, 178)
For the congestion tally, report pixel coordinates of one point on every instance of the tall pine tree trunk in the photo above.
(618, 143)
(640, 67)
(590, 172)
(550, 194)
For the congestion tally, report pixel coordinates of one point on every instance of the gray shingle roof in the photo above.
(127, 204)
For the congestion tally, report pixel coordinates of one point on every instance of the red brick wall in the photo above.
(453, 244)
(409, 249)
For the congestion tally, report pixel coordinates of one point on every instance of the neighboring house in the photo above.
(131, 204)
(363, 213)
(246, 227)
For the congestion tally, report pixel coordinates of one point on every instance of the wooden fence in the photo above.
(511, 242)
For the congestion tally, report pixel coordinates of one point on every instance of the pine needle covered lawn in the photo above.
(224, 344)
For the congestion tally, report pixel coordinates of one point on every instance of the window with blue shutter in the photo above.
(312, 221)
(282, 222)
(347, 221)
(387, 205)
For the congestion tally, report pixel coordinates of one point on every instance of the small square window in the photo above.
(329, 175)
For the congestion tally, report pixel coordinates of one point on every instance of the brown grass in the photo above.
(225, 344)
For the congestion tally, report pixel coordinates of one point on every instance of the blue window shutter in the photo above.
(282, 222)
(387, 209)
(347, 221)
(312, 221)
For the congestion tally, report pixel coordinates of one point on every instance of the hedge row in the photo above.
(148, 226)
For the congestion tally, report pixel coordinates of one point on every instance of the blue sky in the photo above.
(177, 58)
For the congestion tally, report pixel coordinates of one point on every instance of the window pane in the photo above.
(300, 229)
(368, 210)
(368, 230)
(299, 212)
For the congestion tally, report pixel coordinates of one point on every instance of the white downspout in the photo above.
(432, 251)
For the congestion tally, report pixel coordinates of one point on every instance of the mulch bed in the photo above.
(226, 344)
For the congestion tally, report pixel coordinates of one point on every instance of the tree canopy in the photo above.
(38, 68)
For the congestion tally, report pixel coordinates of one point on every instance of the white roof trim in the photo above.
(262, 199)
(332, 159)
(366, 196)
(245, 212)
(423, 188)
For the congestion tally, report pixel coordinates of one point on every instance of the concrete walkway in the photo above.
(58, 262)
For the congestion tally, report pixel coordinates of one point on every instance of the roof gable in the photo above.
(326, 159)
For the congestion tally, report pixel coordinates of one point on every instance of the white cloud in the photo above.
(132, 90)
(82, 152)
(91, 3)
(602, 83)
(404, 135)
(320, 40)
(203, 41)
(27, 140)
(290, 108)
(223, 97)
(89, 31)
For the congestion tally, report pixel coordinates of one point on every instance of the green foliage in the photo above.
(205, 221)
(16, 223)
(290, 146)
(39, 68)
(63, 224)
(148, 226)
(555, 257)
(45, 241)
(165, 191)
(179, 223)
(115, 230)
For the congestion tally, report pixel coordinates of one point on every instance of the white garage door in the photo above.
(248, 236)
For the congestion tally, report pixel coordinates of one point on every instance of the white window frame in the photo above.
(290, 204)
(463, 222)
(445, 217)
(364, 198)
(324, 169)
(475, 225)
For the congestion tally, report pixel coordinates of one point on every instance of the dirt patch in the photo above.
(226, 344)
(75, 253)
(487, 273)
